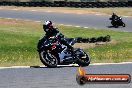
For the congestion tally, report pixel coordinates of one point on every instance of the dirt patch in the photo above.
(92, 45)
(7, 22)
(16, 22)
(51, 9)
(76, 11)
(84, 45)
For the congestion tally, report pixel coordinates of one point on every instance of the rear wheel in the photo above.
(123, 25)
(116, 26)
(48, 59)
(83, 59)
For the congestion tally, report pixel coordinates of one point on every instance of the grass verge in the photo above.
(18, 41)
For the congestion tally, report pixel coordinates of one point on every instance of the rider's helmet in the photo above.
(47, 25)
(113, 13)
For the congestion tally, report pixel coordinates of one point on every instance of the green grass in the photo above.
(18, 41)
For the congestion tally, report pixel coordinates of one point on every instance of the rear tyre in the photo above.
(48, 59)
(123, 25)
(116, 26)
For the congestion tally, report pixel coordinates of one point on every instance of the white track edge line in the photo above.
(66, 65)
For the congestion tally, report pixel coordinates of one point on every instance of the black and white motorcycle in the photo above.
(53, 53)
(117, 22)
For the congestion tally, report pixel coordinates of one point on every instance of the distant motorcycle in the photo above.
(52, 52)
(117, 22)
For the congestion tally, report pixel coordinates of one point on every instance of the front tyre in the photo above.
(83, 59)
(48, 59)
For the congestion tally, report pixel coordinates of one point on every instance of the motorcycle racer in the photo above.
(116, 21)
(55, 49)
(114, 16)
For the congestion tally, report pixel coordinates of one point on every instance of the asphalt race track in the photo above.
(84, 20)
(61, 77)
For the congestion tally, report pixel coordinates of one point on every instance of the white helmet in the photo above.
(47, 23)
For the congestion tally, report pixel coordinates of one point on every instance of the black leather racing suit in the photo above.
(114, 17)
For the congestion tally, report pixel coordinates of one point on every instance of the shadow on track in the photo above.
(110, 26)
(60, 66)
(114, 27)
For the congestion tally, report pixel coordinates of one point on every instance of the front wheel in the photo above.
(48, 59)
(83, 59)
